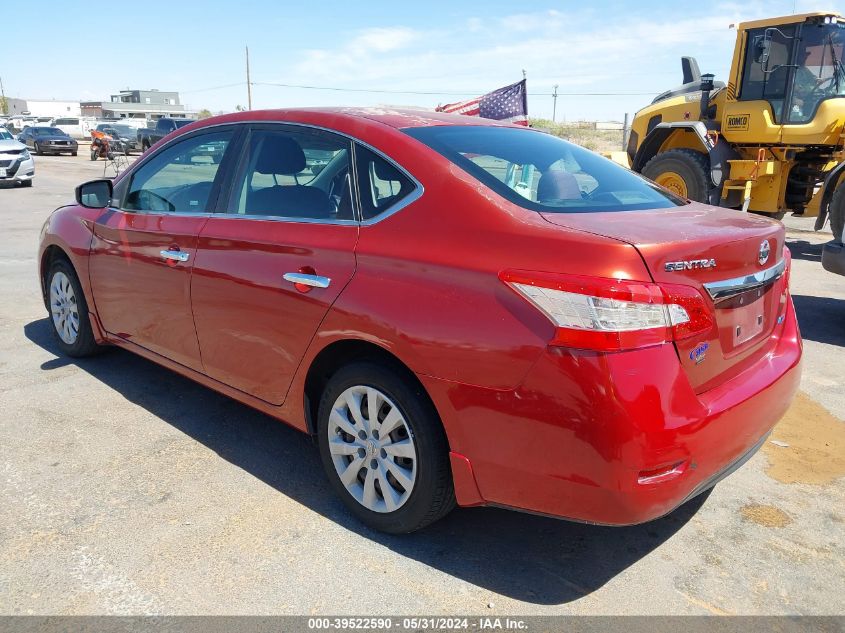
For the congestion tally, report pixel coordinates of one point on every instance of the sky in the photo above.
(363, 53)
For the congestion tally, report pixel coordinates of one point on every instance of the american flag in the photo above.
(505, 104)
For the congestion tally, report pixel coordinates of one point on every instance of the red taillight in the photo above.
(787, 268)
(612, 314)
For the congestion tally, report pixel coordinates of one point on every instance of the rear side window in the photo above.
(542, 172)
(381, 184)
(295, 173)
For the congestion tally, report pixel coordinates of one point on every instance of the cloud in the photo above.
(574, 49)
(382, 40)
(525, 22)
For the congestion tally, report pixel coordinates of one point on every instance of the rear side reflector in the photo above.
(659, 475)
(611, 314)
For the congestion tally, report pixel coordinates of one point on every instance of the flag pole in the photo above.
(248, 83)
(524, 78)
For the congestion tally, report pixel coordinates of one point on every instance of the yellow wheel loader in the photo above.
(772, 140)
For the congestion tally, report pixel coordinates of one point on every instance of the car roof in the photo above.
(393, 117)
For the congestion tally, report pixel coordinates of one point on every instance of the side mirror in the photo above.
(94, 194)
(762, 48)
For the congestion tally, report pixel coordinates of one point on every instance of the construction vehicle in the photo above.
(772, 140)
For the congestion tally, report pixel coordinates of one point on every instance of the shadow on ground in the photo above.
(821, 319)
(525, 557)
(802, 249)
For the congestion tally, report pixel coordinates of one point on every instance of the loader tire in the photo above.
(684, 172)
(836, 210)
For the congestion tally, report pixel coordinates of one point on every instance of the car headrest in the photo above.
(280, 155)
(558, 185)
(386, 171)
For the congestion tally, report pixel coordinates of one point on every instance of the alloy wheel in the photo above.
(372, 449)
(63, 308)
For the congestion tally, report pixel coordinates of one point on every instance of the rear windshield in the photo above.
(182, 122)
(543, 172)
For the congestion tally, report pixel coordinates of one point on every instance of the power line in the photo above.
(441, 93)
(446, 93)
(232, 85)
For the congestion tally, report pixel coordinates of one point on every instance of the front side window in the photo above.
(181, 177)
(819, 71)
(542, 172)
(295, 173)
(380, 183)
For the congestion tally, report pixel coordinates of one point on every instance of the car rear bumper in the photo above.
(615, 439)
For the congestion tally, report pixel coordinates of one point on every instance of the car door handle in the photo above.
(316, 281)
(176, 256)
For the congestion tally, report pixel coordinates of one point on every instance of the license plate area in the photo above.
(748, 322)
(2, 172)
(743, 317)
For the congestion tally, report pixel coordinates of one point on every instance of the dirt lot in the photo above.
(126, 489)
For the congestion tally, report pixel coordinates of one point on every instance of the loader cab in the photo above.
(795, 67)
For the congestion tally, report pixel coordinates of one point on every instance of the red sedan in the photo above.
(460, 311)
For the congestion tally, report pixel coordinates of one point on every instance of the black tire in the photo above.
(692, 166)
(84, 345)
(433, 494)
(26, 183)
(37, 149)
(836, 211)
(94, 154)
(73, 153)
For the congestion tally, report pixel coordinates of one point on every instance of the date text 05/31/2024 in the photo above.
(418, 623)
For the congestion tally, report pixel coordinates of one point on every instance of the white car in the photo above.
(72, 126)
(16, 164)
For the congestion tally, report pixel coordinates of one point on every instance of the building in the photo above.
(42, 107)
(138, 104)
(53, 108)
(15, 106)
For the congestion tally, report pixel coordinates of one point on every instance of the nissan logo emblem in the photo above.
(763, 256)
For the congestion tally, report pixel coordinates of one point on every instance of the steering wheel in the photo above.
(147, 198)
(823, 86)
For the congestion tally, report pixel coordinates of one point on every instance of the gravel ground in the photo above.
(125, 489)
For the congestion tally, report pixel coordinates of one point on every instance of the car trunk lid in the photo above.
(734, 259)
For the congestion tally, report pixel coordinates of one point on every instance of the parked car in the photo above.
(48, 140)
(16, 164)
(147, 137)
(126, 134)
(591, 347)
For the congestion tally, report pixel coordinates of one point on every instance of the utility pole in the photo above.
(248, 83)
(3, 98)
(626, 130)
(554, 105)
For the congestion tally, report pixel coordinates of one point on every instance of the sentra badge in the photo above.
(690, 264)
